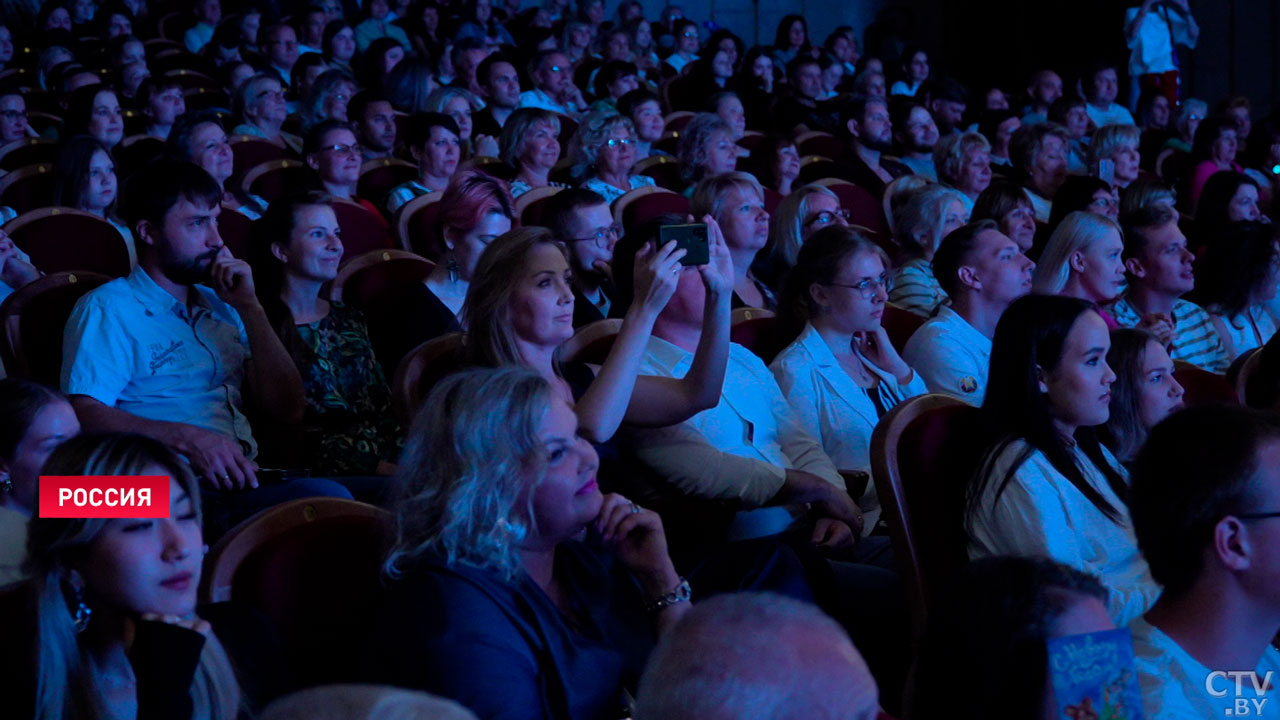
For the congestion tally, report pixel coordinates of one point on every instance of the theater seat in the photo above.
(27, 188)
(362, 230)
(379, 175)
(665, 171)
(1203, 387)
(592, 342)
(275, 179)
(823, 144)
(31, 323)
(135, 151)
(816, 167)
(364, 279)
(62, 239)
(421, 369)
(312, 567)
(248, 152)
(922, 454)
(202, 98)
(28, 151)
(900, 325)
(529, 205)
(641, 205)
(757, 330)
(415, 224)
(863, 207)
(676, 121)
(235, 230)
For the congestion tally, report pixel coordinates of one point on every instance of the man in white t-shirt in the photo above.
(983, 272)
(553, 85)
(1205, 502)
(1100, 90)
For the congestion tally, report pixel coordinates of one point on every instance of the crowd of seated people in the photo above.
(639, 347)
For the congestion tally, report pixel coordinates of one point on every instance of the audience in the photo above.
(260, 105)
(1236, 278)
(841, 373)
(706, 149)
(161, 102)
(530, 144)
(374, 121)
(1008, 205)
(1039, 154)
(801, 214)
(1203, 492)
(1083, 259)
(982, 271)
(1214, 151)
(580, 219)
(433, 140)
(736, 201)
(963, 162)
(916, 135)
(604, 154)
(1101, 86)
(84, 178)
(866, 120)
(198, 137)
(1046, 485)
(1144, 393)
(363, 702)
(926, 217)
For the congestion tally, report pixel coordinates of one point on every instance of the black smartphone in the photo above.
(279, 475)
(691, 237)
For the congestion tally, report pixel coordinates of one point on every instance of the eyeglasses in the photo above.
(343, 149)
(870, 287)
(615, 142)
(601, 236)
(826, 217)
(556, 69)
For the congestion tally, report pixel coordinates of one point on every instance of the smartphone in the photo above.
(692, 238)
(279, 475)
(1107, 171)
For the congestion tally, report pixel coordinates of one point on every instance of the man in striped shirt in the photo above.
(1159, 265)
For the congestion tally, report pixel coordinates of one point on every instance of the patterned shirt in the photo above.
(403, 193)
(1194, 338)
(916, 289)
(611, 193)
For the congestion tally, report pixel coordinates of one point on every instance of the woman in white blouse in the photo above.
(842, 374)
(1046, 486)
(1235, 279)
(603, 151)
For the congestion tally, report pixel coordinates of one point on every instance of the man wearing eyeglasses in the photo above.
(553, 85)
(1205, 504)
(580, 219)
(983, 272)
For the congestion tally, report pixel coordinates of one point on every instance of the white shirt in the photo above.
(951, 356)
(741, 448)
(536, 98)
(1115, 114)
(1041, 514)
(1150, 50)
(832, 408)
(1174, 684)
(923, 167)
(1245, 331)
(1042, 206)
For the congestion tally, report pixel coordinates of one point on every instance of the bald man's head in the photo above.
(756, 656)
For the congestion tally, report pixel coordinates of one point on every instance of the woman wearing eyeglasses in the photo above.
(841, 375)
(604, 151)
(800, 214)
(334, 153)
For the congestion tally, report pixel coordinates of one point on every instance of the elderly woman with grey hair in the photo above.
(530, 143)
(924, 218)
(963, 161)
(509, 569)
(603, 152)
(706, 148)
(1189, 117)
(1119, 144)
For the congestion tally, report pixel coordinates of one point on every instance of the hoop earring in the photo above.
(6, 482)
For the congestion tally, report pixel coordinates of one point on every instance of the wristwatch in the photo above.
(681, 593)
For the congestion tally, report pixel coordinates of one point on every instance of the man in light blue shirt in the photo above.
(163, 354)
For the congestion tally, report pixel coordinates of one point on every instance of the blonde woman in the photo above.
(963, 161)
(108, 616)
(920, 223)
(1083, 260)
(804, 212)
(1119, 144)
(603, 153)
(736, 201)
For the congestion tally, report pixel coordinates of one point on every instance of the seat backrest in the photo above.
(529, 205)
(415, 224)
(1203, 387)
(235, 230)
(421, 369)
(27, 188)
(379, 175)
(592, 342)
(362, 230)
(816, 167)
(819, 143)
(899, 324)
(364, 279)
(248, 152)
(923, 453)
(647, 207)
(28, 151)
(664, 170)
(1241, 368)
(621, 202)
(274, 179)
(32, 320)
(676, 121)
(312, 567)
(62, 239)
(757, 330)
(863, 207)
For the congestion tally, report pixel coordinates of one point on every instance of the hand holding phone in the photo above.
(690, 237)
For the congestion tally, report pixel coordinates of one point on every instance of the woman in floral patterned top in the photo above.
(297, 246)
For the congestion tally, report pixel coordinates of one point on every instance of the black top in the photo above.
(505, 650)
(853, 169)
(483, 123)
(585, 312)
(410, 316)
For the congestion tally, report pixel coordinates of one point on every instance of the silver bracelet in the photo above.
(681, 593)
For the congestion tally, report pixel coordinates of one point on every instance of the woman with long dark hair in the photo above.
(1046, 485)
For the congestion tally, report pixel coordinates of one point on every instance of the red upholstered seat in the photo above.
(1203, 387)
(664, 170)
(647, 207)
(864, 209)
(379, 175)
(248, 152)
(312, 568)
(28, 151)
(820, 143)
(757, 330)
(275, 179)
(816, 168)
(61, 239)
(592, 343)
(27, 188)
(416, 225)
(31, 323)
(923, 453)
(362, 230)
(422, 368)
(771, 199)
(899, 324)
(234, 229)
(364, 280)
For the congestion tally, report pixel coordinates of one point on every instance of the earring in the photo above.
(80, 617)
(453, 268)
(6, 482)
